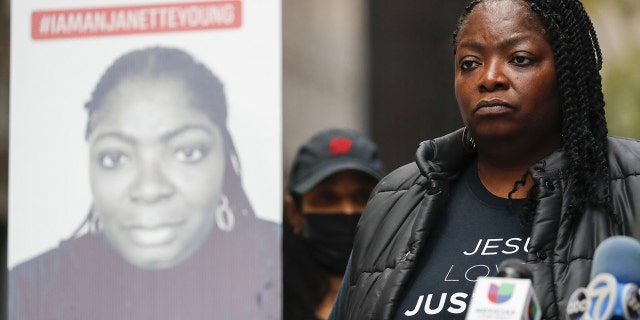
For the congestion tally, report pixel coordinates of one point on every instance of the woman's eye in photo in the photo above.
(112, 160)
(191, 154)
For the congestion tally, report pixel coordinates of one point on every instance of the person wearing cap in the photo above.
(331, 179)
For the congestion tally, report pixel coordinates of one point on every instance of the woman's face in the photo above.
(505, 77)
(156, 170)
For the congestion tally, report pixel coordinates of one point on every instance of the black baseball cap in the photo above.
(331, 151)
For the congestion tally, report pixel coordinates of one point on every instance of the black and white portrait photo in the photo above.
(145, 176)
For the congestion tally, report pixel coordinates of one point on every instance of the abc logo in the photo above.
(578, 304)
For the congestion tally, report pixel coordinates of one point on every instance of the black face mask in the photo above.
(330, 239)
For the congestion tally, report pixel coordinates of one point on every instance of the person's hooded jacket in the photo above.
(404, 206)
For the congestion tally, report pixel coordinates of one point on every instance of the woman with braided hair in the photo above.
(532, 175)
(171, 233)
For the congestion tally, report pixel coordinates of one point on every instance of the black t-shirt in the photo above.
(477, 233)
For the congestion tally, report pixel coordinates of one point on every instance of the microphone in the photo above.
(613, 290)
(508, 296)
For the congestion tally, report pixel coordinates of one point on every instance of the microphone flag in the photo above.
(499, 298)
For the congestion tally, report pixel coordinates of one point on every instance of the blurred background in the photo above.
(386, 70)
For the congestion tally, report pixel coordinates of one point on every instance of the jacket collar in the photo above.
(447, 155)
(443, 155)
(552, 165)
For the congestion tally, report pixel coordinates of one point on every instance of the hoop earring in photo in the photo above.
(95, 224)
(225, 219)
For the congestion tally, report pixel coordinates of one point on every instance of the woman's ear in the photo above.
(293, 215)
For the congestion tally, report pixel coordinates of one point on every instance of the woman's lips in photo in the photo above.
(149, 236)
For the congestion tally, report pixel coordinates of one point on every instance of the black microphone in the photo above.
(514, 268)
(613, 290)
(508, 296)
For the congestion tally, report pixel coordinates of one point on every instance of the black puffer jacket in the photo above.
(405, 204)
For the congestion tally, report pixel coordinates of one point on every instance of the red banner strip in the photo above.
(136, 19)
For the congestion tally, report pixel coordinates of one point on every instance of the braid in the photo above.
(578, 60)
(529, 206)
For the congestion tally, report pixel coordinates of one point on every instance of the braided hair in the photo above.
(578, 61)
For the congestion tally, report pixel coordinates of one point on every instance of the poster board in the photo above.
(59, 53)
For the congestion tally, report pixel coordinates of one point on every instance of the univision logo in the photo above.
(500, 293)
